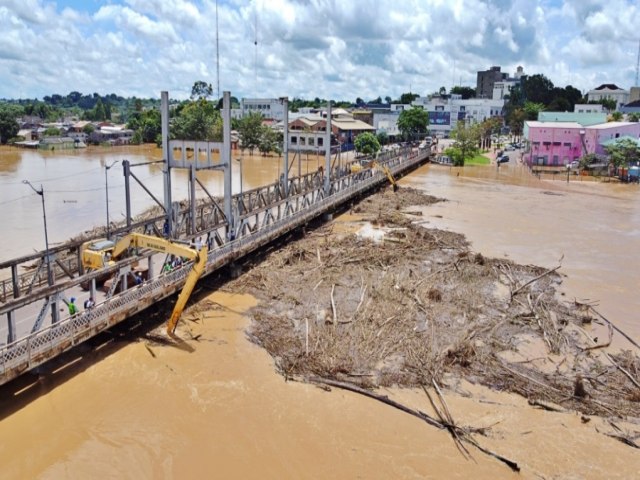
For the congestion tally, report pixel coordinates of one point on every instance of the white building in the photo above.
(588, 108)
(609, 91)
(445, 113)
(386, 122)
(270, 108)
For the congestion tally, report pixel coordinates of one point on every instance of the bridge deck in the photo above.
(258, 226)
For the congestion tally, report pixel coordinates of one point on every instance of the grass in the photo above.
(478, 160)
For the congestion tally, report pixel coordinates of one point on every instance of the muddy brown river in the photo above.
(217, 409)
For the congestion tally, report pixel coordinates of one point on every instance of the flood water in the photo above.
(219, 410)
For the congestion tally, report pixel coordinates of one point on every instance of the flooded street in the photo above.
(217, 408)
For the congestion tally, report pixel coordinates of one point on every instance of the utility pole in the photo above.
(106, 189)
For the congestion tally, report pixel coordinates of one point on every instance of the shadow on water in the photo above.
(40, 381)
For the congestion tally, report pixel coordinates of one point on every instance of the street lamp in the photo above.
(106, 189)
(46, 236)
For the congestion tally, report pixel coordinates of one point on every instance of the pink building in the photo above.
(560, 143)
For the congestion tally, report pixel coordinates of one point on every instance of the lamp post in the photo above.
(46, 236)
(106, 189)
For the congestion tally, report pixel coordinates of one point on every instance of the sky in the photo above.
(338, 49)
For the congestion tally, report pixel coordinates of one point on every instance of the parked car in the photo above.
(509, 148)
(503, 159)
(574, 165)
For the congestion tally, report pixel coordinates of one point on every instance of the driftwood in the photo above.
(513, 294)
(545, 406)
(416, 413)
(633, 342)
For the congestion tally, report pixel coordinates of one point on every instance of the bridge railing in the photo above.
(36, 348)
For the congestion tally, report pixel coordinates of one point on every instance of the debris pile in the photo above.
(421, 307)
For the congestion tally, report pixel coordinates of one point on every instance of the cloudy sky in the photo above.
(340, 49)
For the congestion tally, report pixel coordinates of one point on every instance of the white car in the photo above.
(574, 165)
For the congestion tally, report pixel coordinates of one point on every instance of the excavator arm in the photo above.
(138, 240)
(196, 270)
(384, 169)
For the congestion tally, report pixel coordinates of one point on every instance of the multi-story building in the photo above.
(446, 111)
(269, 108)
(486, 80)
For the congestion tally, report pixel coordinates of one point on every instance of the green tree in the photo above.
(9, 126)
(466, 92)
(88, 129)
(367, 143)
(137, 138)
(197, 120)
(537, 89)
(634, 117)
(466, 138)
(516, 121)
(413, 122)
(407, 98)
(52, 132)
(608, 103)
(531, 110)
(383, 138)
(268, 140)
(442, 91)
(616, 116)
(151, 126)
(623, 153)
(250, 131)
(99, 112)
(201, 90)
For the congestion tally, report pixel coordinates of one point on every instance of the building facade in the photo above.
(560, 143)
(269, 108)
(486, 80)
(609, 91)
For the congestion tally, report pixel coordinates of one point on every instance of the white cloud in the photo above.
(310, 48)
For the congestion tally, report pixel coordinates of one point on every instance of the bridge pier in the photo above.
(327, 217)
(235, 269)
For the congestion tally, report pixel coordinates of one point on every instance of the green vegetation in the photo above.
(466, 145)
(413, 122)
(9, 127)
(367, 143)
(478, 159)
(623, 153)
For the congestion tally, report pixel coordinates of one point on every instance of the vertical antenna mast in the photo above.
(255, 43)
(638, 65)
(217, 54)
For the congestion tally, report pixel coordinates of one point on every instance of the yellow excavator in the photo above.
(104, 253)
(357, 167)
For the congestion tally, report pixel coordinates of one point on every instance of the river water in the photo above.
(217, 409)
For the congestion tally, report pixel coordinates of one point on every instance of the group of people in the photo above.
(89, 303)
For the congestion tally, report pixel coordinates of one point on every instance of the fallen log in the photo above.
(416, 413)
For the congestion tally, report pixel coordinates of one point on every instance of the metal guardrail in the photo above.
(45, 344)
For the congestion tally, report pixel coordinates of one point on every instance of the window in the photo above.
(303, 141)
(294, 140)
(567, 144)
(320, 142)
(311, 142)
(556, 159)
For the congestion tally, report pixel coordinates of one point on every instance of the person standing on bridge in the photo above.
(72, 307)
(89, 303)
